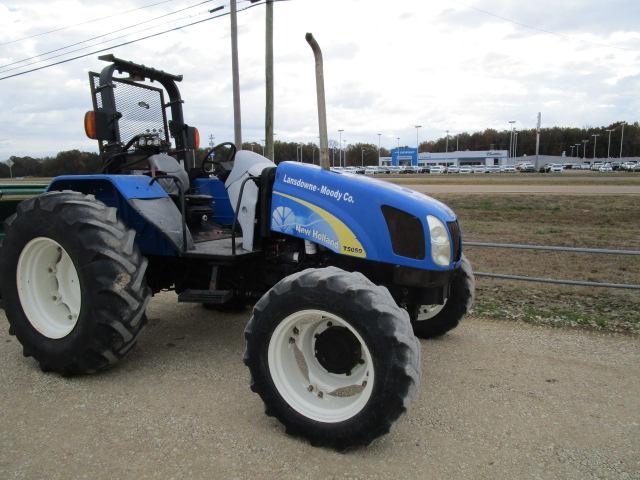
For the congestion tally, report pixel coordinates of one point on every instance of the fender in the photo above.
(145, 207)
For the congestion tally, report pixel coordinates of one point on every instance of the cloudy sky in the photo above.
(389, 65)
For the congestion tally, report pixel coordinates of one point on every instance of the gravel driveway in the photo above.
(498, 400)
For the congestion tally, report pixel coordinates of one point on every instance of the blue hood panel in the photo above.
(342, 212)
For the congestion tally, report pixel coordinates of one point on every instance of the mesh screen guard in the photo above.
(141, 108)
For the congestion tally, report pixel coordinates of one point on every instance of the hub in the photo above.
(338, 350)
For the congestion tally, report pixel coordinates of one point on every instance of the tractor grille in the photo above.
(406, 232)
(456, 239)
(141, 108)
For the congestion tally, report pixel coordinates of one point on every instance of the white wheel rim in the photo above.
(304, 383)
(427, 312)
(48, 287)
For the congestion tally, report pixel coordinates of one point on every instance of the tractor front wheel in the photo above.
(72, 282)
(430, 321)
(332, 356)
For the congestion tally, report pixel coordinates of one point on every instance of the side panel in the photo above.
(343, 212)
(145, 208)
(222, 209)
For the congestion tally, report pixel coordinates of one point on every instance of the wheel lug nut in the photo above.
(320, 394)
(310, 388)
(364, 384)
(296, 331)
(292, 340)
(349, 373)
(329, 324)
(361, 361)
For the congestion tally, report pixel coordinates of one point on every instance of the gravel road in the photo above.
(528, 189)
(498, 400)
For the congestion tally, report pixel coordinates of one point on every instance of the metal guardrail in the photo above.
(555, 248)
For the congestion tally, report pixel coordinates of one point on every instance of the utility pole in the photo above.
(457, 146)
(511, 138)
(584, 149)
(446, 145)
(235, 71)
(538, 137)
(379, 148)
(362, 159)
(340, 145)
(417, 141)
(621, 138)
(515, 144)
(577, 150)
(609, 144)
(570, 146)
(268, 115)
(595, 143)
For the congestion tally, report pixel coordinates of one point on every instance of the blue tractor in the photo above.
(343, 271)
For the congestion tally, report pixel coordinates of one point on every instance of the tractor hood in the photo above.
(359, 216)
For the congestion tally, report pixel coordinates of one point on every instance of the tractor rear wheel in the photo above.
(430, 321)
(333, 357)
(72, 282)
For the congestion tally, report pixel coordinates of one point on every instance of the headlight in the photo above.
(440, 245)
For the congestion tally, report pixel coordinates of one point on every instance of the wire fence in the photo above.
(555, 248)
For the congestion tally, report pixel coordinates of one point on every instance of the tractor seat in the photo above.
(161, 162)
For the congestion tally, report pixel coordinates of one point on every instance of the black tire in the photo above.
(385, 329)
(457, 305)
(110, 268)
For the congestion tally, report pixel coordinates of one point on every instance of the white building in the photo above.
(467, 157)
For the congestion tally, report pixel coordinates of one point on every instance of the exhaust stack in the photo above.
(322, 108)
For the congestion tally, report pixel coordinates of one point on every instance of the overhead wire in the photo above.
(253, 4)
(542, 30)
(66, 27)
(65, 47)
(68, 52)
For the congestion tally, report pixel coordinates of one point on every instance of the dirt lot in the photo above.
(498, 400)
(598, 221)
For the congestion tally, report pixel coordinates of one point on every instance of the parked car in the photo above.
(526, 167)
(371, 171)
(492, 169)
(556, 168)
(605, 168)
(436, 170)
(628, 166)
(596, 166)
(507, 168)
(453, 169)
(466, 169)
(479, 169)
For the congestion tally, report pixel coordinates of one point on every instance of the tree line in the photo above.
(553, 141)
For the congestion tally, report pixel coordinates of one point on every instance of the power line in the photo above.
(543, 30)
(254, 3)
(103, 35)
(68, 52)
(85, 22)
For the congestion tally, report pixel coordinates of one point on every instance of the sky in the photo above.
(389, 66)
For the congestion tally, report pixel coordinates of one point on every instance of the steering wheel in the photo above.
(218, 159)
